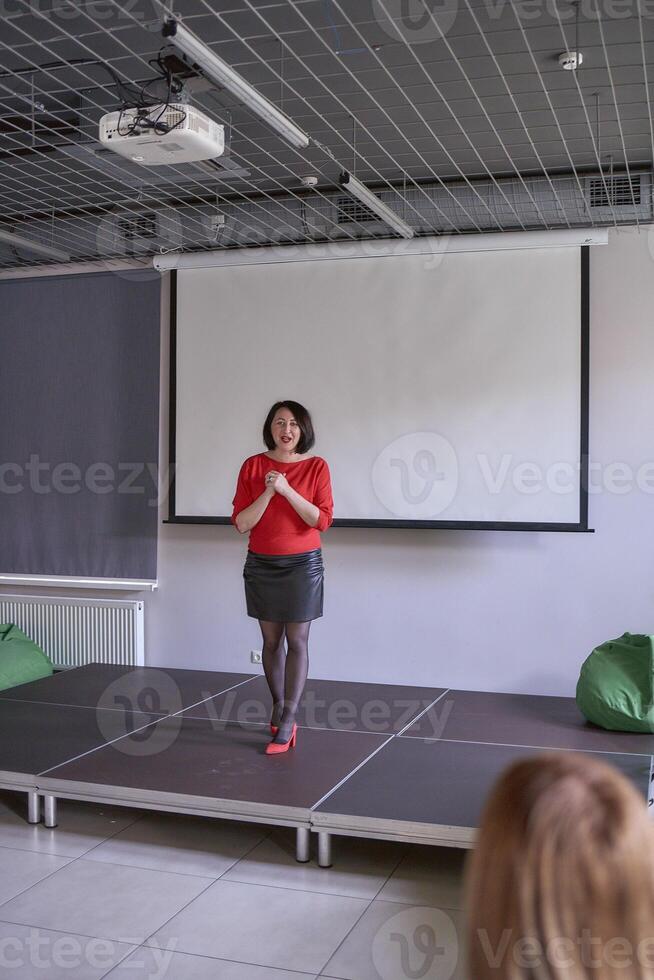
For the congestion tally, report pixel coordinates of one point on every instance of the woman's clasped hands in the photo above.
(277, 482)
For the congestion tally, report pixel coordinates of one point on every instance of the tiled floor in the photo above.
(129, 895)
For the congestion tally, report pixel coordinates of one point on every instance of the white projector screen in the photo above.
(446, 391)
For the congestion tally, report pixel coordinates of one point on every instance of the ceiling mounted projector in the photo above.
(163, 134)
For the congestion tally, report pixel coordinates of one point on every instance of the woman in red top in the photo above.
(284, 499)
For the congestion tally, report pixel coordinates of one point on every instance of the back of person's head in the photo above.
(561, 884)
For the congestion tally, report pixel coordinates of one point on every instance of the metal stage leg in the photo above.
(33, 807)
(324, 849)
(303, 844)
(50, 809)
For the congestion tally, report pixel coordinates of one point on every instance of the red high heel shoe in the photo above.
(274, 728)
(274, 748)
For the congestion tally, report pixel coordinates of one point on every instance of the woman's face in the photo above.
(285, 430)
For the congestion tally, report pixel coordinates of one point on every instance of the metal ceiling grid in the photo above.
(457, 114)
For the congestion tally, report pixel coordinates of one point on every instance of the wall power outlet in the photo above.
(255, 656)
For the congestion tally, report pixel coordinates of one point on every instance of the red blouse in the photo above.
(281, 530)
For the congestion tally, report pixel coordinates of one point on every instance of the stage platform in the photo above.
(372, 760)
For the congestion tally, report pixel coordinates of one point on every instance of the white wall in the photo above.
(503, 611)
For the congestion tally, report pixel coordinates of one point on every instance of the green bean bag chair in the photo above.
(20, 658)
(616, 685)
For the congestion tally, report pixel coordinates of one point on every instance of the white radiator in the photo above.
(77, 631)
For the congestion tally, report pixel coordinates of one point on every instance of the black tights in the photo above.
(286, 675)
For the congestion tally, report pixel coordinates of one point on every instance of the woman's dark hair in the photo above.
(303, 419)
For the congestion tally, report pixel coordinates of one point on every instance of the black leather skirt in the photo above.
(284, 588)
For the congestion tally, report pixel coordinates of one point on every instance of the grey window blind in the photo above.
(79, 423)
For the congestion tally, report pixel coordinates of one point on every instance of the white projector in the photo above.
(191, 135)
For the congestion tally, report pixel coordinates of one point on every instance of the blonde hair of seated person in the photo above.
(561, 883)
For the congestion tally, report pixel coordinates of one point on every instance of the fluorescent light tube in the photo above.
(45, 250)
(222, 74)
(373, 203)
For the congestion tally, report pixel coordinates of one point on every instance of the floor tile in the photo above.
(360, 867)
(276, 927)
(109, 901)
(157, 964)
(428, 876)
(183, 844)
(394, 942)
(81, 827)
(29, 953)
(21, 869)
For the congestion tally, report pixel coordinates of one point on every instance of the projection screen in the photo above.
(445, 391)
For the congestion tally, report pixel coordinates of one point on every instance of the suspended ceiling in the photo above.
(457, 113)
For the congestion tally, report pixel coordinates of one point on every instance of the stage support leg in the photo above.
(302, 846)
(50, 808)
(324, 849)
(33, 807)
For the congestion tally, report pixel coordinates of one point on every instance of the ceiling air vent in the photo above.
(617, 191)
(350, 210)
(142, 226)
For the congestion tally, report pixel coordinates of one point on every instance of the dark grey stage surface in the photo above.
(373, 760)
